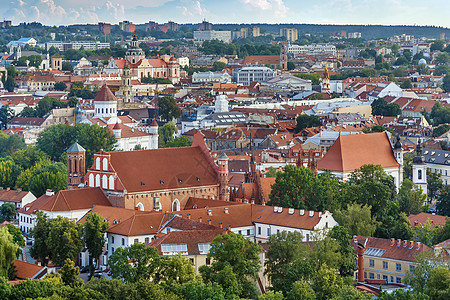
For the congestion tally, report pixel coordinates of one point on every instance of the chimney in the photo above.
(361, 250)
(302, 212)
(194, 227)
(418, 245)
(411, 244)
(220, 224)
(226, 210)
(49, 192)
(405, 243)
(19, 190)
(168, 230)
(209, 221)
(200, 219)
(399, 242)
(320, 214)
(311, 213)
(275, 208)
(392, 242)
(209, 212)
(355, 240)
(8, 188)
(188, 216)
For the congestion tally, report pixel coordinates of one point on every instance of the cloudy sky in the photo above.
(61, 12)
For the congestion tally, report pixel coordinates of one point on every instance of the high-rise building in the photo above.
(255, 31)
(442, 36)
(291, 34)
(104, 27)
(205, 25)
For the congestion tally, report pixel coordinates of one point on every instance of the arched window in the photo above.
(104, 182)
(105, 164)
(91, 180)
(97, 163)
(97, 180)
(140, 206)
(175, 205)
(111, 182)
(69, 166)
(75, 165)
(419, 174)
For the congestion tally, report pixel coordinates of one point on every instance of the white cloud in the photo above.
(276, 6)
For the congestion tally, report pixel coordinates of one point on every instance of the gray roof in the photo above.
(76, 148)
(223, 156)
(225, 118)
(434, 156)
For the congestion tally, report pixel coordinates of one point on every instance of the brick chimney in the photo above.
(392, 242)
(399, 242)
(411, 244)
(405, 243)
(361, 250)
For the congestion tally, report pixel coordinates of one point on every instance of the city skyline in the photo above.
(339, 12)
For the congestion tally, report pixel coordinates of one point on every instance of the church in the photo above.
(144, 67)
(155, 180)
(127, 132)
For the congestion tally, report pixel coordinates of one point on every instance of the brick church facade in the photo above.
(160, 179)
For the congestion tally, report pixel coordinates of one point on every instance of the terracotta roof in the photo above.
(139, 224)
(189, 237)
(12, 195)
(68, 200)
(294, 219)
(180, 223)
(266, 185)
(126, 131)
(194, 203)
(177, 168)
(421, 218)
(261, 60)
(105, 94)
(113, 214)
(392, 251)
(350, 152)
(25, 270)
(26, 121)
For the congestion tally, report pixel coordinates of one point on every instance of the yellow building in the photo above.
(386, 259)
(291, 34)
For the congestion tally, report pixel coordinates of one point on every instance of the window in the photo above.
(112, 239)
(411, 268)
(192, 260)
(204, 247)
(176, 205)
(385, 265)
(111, 182)
(123, 242)
(371, 262)
(398, 280)
(97, 163)
(104, 182)
(147, 240)
(385, 277)
(171, 248)
(268, 231)
(259, 230)
(371, 276)
(392, 278)
(208, 261)
(248, 231)
(419, 174)
(136, 241)
(398, 267)
(97, 180)
(112, 250)
(105, 164)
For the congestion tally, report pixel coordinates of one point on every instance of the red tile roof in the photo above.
(350, 152)
(261, 60)
(139, 224)
(25, 270)
(12, 195)
(421, 218)
(176, 168)
(105, 94)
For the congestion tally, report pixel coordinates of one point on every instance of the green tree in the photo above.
(8, 172)
(9, 144)
(8, 252)
(348, 292)
(271, 295)
(327, 282)
(60, 86)
(443, 201)
(410, 198)
(434, 183)
(181, 141)
(438, 284)
(166, 133)
(271, 172)
(342, 236)
(357, 219)
(218, 66)
(72, 101)
(381, 108)
(16, 234)
(63, 240)
(305, 121)
(53, 177)
(10, 84)
(294, 188)
(176, 270)
(200, 291)
(6, 114)
(301, 289)
(67, 66)
(235, 254)
(446, 83)
(8, 210)
(316, 96)
(423, 69)
(406, 84)
(39, 250)
(69, 274)
(145, 263)
(437, 45)
(440, 130)
(94, 230)
(314, 77)
(285, 263)
(290, 66)
(168, 108)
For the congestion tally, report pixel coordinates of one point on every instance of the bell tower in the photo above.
(326, 81)
(224, 194)
(126, 86)
(76, 165)
(283, 58)
(419, 169)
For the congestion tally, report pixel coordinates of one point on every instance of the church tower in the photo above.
(224, 194)
(76, 168)
(326, 81)
(419, 169)
(398, 153)
(126, 86)
(173, 70)
(56, 61)
(134, 54)
(105, 105)
(283, 58)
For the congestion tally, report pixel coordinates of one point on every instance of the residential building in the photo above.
(17, 197)
(438, 161)
(76, 45)
(389, 260)
(22, 42)
(313, 49)
(291, 34)
(205, 77)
